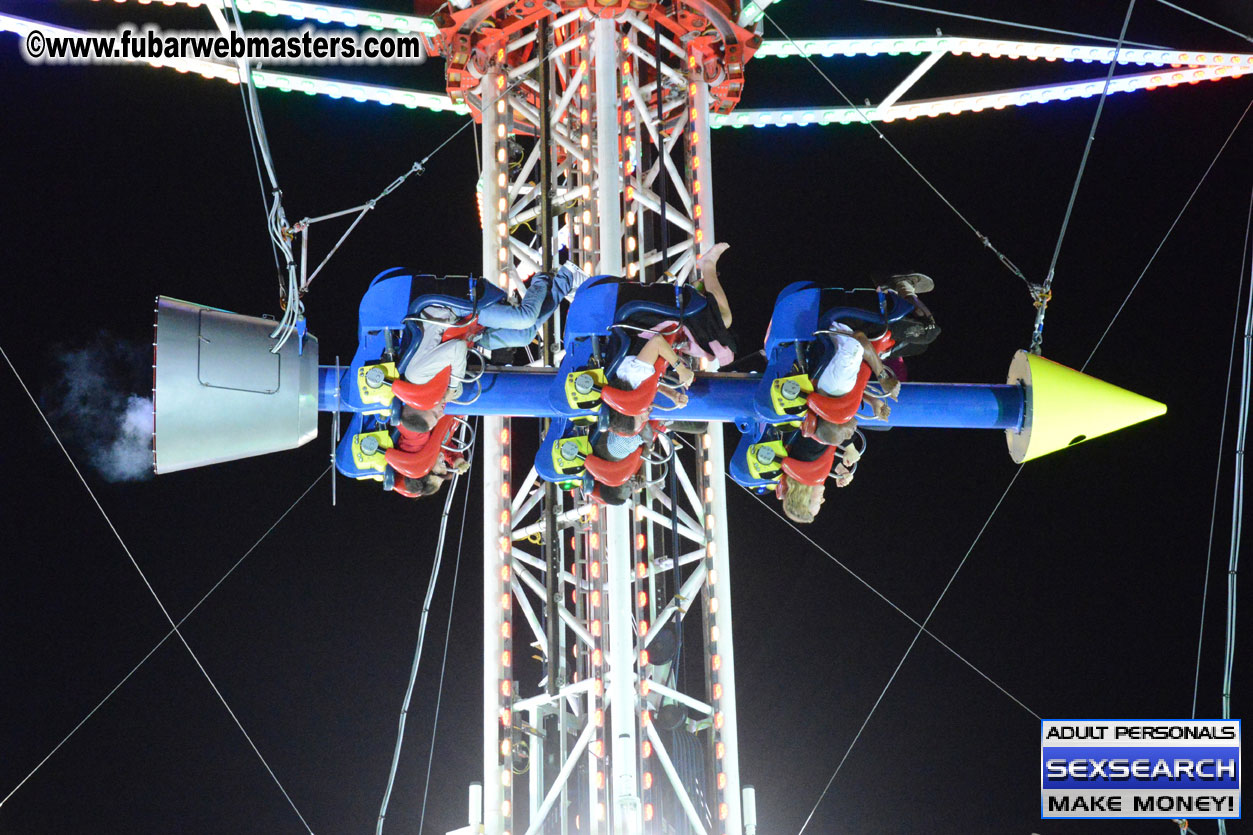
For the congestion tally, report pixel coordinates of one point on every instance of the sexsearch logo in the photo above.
(1140, 769)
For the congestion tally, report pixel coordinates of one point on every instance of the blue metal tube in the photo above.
(525, 393)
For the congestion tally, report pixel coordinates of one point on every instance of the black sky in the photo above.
(1082, 598)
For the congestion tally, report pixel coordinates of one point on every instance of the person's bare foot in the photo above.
(708, 266)
(708, 263)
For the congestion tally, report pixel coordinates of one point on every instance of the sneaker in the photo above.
(911, 330)
(911, 284)
(576, 275)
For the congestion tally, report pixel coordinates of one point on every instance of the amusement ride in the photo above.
(593, 122)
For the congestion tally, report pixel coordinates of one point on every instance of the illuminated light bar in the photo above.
(753, 10)
(504, 643)
(979, 47)
(380, 93)
(996, 100)
(320, 12)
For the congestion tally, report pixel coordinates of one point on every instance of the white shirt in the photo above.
(840, 374)
(434, 356)
(633, 371)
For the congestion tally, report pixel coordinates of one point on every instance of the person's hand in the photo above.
(843, 477)
(462, 465)
(880, 408)
(888, 380)
(680, 398)
(851, 456)
(686, 375)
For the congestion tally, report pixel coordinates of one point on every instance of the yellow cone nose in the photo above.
(1065, 407)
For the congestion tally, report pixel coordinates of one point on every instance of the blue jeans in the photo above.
(512, 327)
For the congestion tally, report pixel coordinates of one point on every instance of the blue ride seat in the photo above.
(479, 294)
(758, 458)
(385, 328)
(795, 316)
(562, 452)
(591, 309)
(792, 327)
(594, 336)
(793, 338)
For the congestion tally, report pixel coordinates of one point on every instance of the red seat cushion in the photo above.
(840, 409)
(614, 473)
(810, 472)
(409, 441)
(634, 401)
(399, 487)
(418, 464)
(423, 395)
(883, 342)
(466, 329)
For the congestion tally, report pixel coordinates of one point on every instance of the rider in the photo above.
(417, 468)
(839, 383)
(809, 460)
(853, 357)
(705, 335)
(443, 345)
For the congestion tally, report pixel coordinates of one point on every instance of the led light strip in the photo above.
(753, 10)
(320, 12)
(643, 607)
(721, 806)
(312, 85)
(505, 644)
(694, 160)
(996, 100)
(500, 188)
(586, 235)
(978, 47)
(628, 153)
(596, 669)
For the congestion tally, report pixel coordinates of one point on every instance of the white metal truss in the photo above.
(585, 749)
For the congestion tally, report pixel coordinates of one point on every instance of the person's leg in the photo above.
(494, 339)
(564, 282)
(512, 327)
(708, 265)
(909, 286)
(501, 314)
(567, 279)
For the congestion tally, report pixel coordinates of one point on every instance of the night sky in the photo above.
(1082, 598)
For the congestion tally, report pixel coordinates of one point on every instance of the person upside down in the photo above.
(433, 371)
(434, 366)
(840, 363)
(657, 345)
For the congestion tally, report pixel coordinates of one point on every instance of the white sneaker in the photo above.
(911, 284)
(577, 276)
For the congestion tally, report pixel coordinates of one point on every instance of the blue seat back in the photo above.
(753, 434)
(795, 316)
(592, 308)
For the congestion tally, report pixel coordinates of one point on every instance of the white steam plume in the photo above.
(92, 403)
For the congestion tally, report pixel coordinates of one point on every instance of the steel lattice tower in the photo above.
(594, 756)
